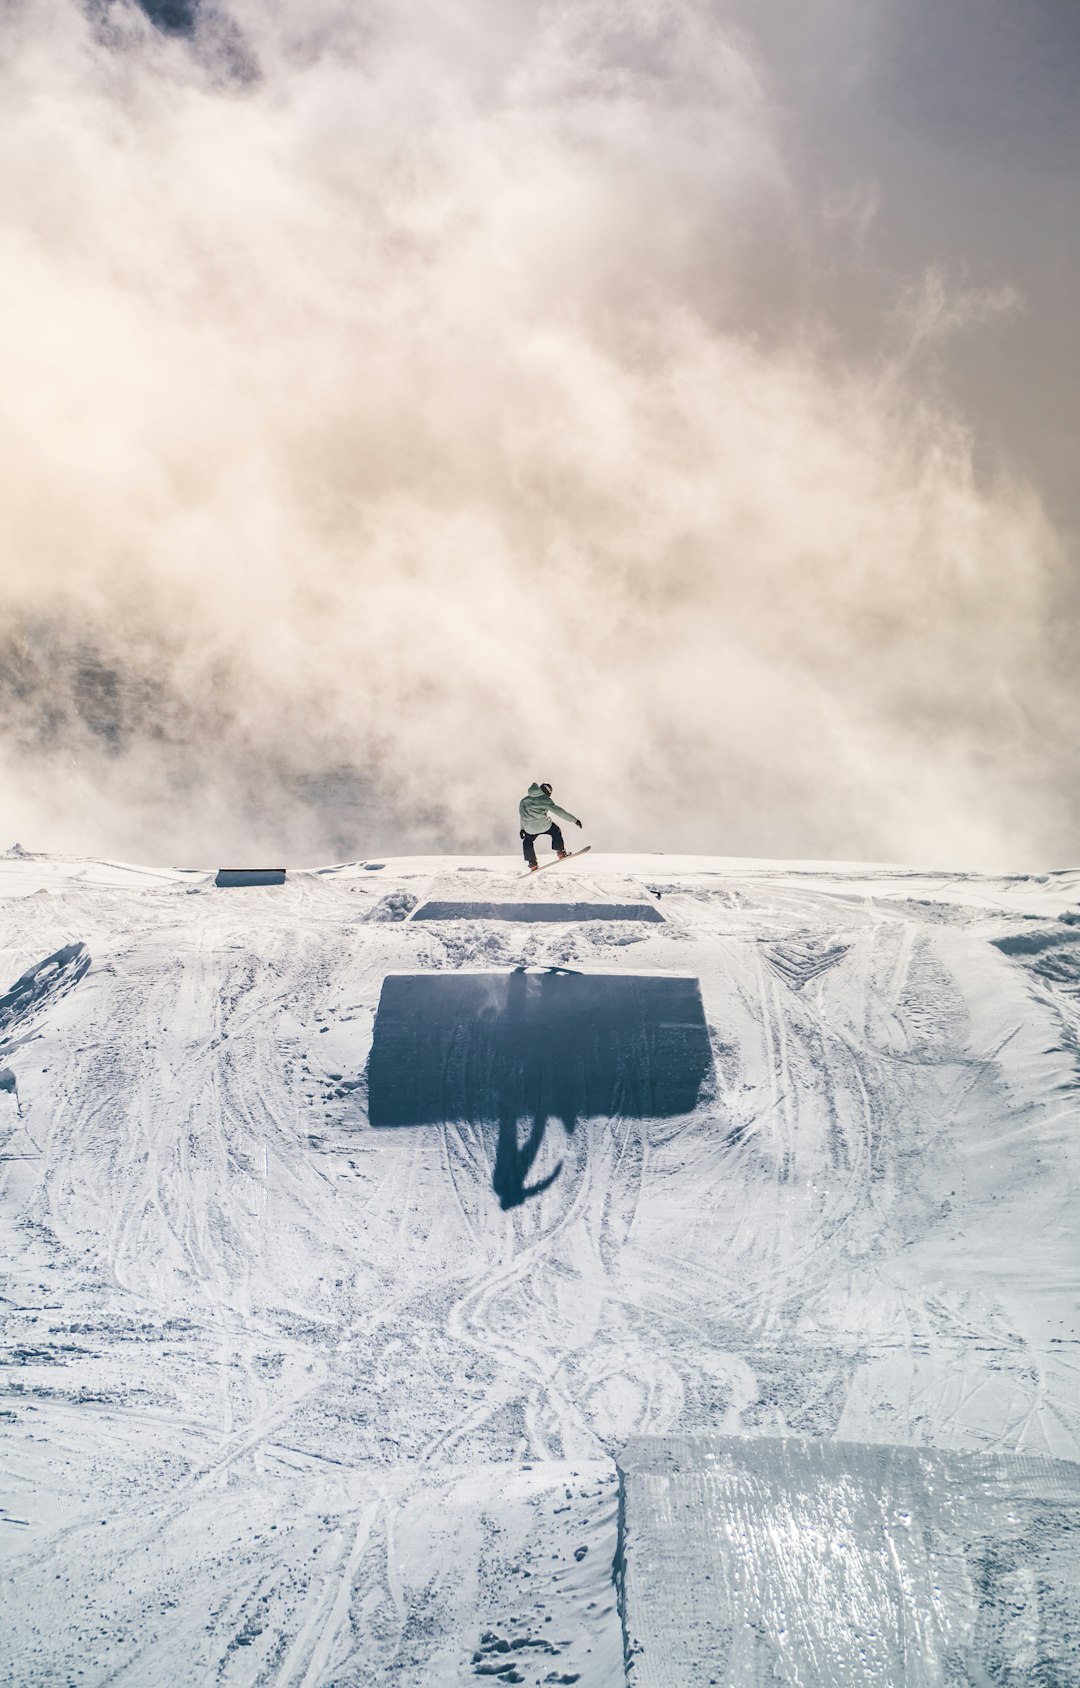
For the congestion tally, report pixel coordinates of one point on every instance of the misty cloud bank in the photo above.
(403, 402)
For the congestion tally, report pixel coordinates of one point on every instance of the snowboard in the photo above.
(555, 860)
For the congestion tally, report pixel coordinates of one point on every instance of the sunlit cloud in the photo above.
(393, 415)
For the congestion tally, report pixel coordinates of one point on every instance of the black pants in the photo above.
(528, 841)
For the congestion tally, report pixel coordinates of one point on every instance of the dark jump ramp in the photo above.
(237, 876)
(502, 1047)
(539, 911)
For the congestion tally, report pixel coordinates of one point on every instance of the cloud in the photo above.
(851, 210)
(930, 311)
(397, 411)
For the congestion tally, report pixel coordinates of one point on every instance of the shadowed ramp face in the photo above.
(502, 1046)
(539, 911)
(233, 877)
(50, 979)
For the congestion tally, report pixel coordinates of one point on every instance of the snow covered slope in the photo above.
(295, 1398)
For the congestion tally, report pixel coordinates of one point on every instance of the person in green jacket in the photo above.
(534, 812)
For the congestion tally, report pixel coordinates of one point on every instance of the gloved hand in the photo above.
(577, 823)
(521, 834)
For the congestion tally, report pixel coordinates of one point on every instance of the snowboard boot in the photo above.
(563, 855)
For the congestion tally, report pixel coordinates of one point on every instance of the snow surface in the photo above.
(293, 1398)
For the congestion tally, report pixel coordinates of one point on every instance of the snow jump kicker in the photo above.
(497, 1048)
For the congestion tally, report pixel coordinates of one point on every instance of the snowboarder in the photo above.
(534, 812)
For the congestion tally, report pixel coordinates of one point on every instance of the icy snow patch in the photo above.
(787, 1562)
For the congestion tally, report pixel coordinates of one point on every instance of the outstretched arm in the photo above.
(563, 814)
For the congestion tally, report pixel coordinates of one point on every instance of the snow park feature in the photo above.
(501, 1048)
(238, 877)
(527, 912)
(764, 1374)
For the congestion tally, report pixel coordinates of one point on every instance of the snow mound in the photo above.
(41, 984)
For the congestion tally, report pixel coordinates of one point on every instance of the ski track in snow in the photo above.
(292, 1400)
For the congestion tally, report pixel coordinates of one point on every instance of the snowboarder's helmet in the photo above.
(545, 787)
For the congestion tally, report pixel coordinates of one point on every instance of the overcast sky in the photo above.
(961, 120)
(406, 401)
